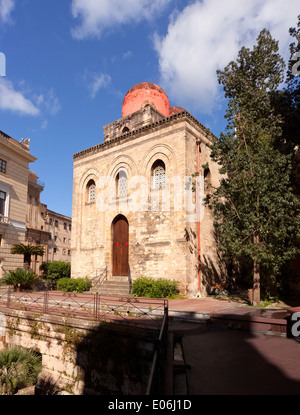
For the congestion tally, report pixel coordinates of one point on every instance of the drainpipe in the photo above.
(198, 219)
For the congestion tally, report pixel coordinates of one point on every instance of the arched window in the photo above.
(159, 175)
(91, 191)
(121, 184)
(207, 178)
(125, 130)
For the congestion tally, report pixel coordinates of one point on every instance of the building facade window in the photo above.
(91, 192)
(159, 175)
(4, 199)
(121, 184)
(207, 178)
(2, 203)
(3, 165)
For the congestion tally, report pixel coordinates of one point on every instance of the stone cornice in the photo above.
(181, 116)
(13, 145)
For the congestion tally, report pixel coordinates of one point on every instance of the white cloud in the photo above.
(207, 35)
(49, 102)
(97, 16)
(127, 54)
(6, 7)
(96, 82)
(15, 101)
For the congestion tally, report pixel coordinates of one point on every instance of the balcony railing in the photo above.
(4, 220)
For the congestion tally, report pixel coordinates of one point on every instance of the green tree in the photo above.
(256, 211)
(27, 251)
(54, 270)
(287, 103)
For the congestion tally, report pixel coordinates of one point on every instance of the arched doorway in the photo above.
(120, 246)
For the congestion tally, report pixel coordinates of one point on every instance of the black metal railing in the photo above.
(157, 374)
(98, 276)
(86, 305)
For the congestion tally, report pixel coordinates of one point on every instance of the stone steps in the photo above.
(116, 286)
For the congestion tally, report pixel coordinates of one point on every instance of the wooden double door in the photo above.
(120, 246)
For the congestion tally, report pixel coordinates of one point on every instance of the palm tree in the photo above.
(27, 251)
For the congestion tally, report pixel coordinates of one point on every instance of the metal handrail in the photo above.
(98, 279)
(159, 355)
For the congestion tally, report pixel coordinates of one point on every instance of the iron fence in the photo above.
(87, 305)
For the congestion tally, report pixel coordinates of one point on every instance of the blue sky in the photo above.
(70, 63)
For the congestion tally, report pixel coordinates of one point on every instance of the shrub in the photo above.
(19, 368)
(54, 270)
(75, 285)
(160, 288)
(20, 278)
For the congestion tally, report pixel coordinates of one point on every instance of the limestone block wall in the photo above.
(84, 357)
(163, 241)
(212, 268)
(153, 249)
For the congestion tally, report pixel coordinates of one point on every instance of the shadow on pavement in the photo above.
(233, 362)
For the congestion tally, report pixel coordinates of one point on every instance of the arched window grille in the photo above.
(159, 175)
(121, 183)
(91, 191)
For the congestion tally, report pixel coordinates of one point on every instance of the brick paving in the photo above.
(240, 350)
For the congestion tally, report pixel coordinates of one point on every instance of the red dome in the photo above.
(146, 93)
(176, 110)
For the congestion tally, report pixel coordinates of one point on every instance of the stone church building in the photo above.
(135, 208)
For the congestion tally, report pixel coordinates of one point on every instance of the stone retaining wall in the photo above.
(83, 356)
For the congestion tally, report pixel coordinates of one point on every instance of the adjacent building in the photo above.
(45, 227)
(15, 159)
(23, 218)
